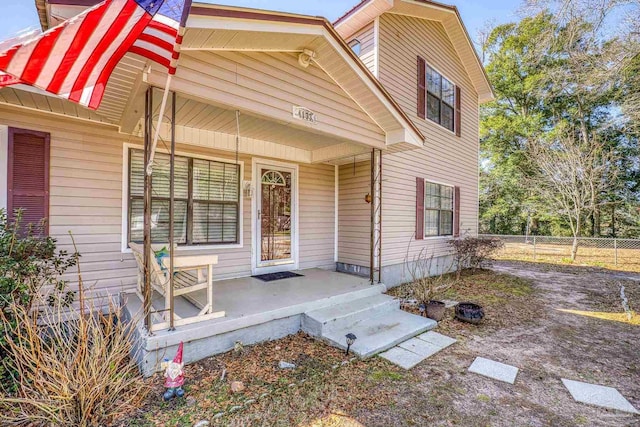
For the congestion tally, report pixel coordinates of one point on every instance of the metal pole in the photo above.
(171, 208)
(147, 211)
(615, 250)
(372, 236)
(380, 219)
(534, 248)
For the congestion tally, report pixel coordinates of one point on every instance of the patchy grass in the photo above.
(628, 259)
(523, 326)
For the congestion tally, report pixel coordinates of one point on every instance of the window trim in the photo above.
(124, 246)
(453, 212)
(353, 43)
(426, 97)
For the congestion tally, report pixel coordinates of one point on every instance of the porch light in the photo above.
(351, 338)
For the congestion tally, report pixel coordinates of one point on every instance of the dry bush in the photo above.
(471, 252)
(74, 368)
(425, 285)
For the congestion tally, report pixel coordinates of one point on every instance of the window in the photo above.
(355, 46)
(206, 194)
(438, 209)
(441, 99)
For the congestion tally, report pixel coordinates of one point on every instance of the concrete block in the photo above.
(496, 370)
(598, 395)
(437, 339)
(419, 347)
(404, 358)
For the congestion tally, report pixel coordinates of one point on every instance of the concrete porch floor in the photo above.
(255, 311)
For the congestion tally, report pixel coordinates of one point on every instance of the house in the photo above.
(302, 145)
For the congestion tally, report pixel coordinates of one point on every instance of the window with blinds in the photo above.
(438, 209)
(206, 194)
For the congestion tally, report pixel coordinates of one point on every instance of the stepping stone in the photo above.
(598, 395)
(437, 339)
(404, 358)
(420, 347)
(492, 369)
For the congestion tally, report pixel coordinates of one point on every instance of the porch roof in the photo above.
(214, 29)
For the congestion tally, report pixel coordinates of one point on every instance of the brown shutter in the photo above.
(456, 212)
(28, 175)
(458, 116)
(419, 208)
(422, 88)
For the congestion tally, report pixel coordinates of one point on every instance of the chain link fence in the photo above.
(622, 254)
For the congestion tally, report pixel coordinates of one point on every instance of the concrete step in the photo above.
(321, 321)
(379, 333)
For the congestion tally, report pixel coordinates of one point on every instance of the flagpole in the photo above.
(156, 134)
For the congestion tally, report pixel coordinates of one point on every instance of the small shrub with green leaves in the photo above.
(30, 267)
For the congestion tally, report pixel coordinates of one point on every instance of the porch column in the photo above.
(375, 260)
(146, 291)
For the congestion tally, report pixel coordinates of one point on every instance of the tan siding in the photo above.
(367, 40)
(86, 200)
(317, 215)
(269, 85)
(354, 214)
(445, 158)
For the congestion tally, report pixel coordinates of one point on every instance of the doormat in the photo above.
(270, 277)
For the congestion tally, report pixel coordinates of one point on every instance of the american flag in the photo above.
(75, 59)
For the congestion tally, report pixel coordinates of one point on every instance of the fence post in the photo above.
(534, 248)
(615, 251)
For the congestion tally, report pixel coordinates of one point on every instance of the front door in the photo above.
(275, 218)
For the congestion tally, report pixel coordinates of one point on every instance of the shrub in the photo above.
(74, 369)
(472, 252)
(29, 266)
(425, 285)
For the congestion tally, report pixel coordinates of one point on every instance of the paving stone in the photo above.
(437, 339)
(404, 358)
(598, 395)
(492, 369)
(420, 347)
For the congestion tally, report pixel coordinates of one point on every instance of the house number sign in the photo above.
(305, 114)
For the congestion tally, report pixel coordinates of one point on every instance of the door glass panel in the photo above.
(275, 211)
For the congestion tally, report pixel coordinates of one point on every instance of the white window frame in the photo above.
(124, 247)
(453, 210)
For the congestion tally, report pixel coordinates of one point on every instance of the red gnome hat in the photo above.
(174, 375)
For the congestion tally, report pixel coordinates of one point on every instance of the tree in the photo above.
(568, 172)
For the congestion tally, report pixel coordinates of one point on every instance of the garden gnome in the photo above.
(174, 376)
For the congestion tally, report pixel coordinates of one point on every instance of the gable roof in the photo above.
(283, 32)
(449, 16)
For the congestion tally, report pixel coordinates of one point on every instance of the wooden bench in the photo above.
(192, 273)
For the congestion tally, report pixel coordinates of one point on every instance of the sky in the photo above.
(18, 15)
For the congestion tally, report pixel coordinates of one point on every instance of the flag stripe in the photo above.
(76, 58)
(104, 57)
(101, 83)
(80, 38)
(114, 24)
(40, 55)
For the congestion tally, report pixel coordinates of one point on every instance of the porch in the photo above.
(255, 311)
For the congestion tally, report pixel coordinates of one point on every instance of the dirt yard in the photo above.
(550, 321)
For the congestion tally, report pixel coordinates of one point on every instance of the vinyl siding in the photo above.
(86, 199)
(354, 214)
(445, 158)
(367, 40)
(269, 85)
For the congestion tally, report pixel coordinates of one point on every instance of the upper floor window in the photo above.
(441, 99)
(355, 46)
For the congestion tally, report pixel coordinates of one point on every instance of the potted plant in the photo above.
(426, 287)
